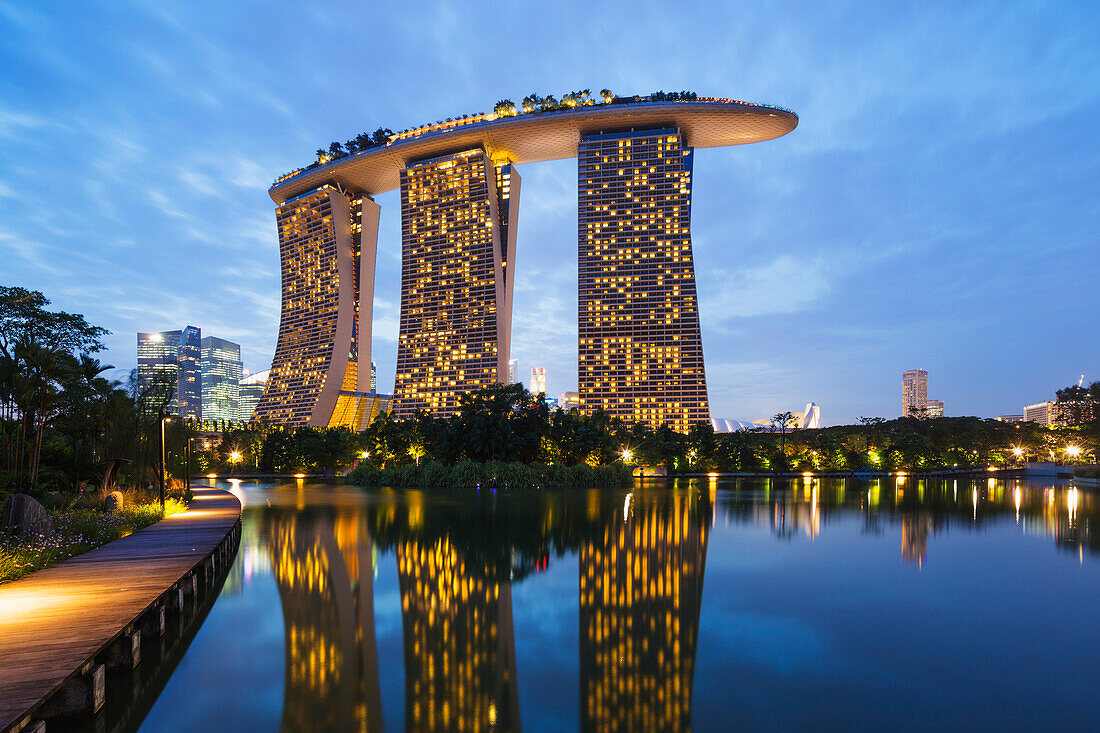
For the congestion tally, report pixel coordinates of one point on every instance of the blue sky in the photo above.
(936, 208)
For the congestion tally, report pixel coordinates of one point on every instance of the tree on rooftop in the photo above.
(504, 107)
(606, 95)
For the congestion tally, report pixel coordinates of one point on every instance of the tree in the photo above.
(606, 95)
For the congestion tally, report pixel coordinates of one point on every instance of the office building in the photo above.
(249, 392)
(538, 380)
(640, 347)
(641, 352)
(513, 371)
(169, 372)
(1040, 412)
(374, 377)
(914, 391)
(221, 379)
(1009, 418)
(190, 374)
(933, 408)
(456, 245)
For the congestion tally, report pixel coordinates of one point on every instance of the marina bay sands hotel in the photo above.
(640, 350)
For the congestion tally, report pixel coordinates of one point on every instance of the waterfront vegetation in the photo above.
(60, 416)
(79, 527)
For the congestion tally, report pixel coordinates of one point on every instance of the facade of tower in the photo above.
(158, 370)
(327, 245)
(458, 222)
(914, 391)
(221, 380)
(250, 392)
(640, 352)
(641, 590)
(189, 386)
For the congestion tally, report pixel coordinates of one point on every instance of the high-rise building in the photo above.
(1040, 412)
(221, 379)
(513, 371)
(169, 363)
(933, 408)
(250, 391)
(458, 220)
(327, 243)
(640, 349)
(914, 391)
(538, 380)
(158, 370)
(641, 353)
(189, 387)
(374, 377)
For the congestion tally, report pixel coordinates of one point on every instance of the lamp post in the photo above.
(163, 466)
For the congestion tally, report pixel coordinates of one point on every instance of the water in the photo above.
(774, 605)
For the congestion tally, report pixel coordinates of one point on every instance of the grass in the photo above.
(76, 530)
(494, 474)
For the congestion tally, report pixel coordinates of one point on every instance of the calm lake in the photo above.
(711, 605)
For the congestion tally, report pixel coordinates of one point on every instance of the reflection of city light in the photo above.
(626, 505)
(211, 475)
(1017, 496)
(974, 499)
(1071, 504)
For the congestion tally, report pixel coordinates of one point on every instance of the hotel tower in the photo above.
(456, 285)
(640, 353)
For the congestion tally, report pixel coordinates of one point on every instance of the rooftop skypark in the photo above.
(532, 104)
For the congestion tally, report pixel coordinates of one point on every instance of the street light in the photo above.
(1073, 451)
(627, 455)
(234, 457)
(163, 467)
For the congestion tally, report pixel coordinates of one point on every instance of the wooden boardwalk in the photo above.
(56, 621)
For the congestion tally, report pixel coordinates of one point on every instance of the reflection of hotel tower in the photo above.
(323, 568)
(641, 586)
(641, 354)
(460, 661)
(458, 241)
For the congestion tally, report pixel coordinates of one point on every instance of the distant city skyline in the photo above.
(937, 155)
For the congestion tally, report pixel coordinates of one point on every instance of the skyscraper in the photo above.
(641, 353)
(513, 371)
(158, 370)
(250, 391)
(914, 391)
(169, 363)
(640, 349)
(458, 217)
(221, 378)
(327, 242)
(373, 377)
(189, 386)
(538, 380)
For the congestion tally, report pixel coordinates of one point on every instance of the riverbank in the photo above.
(494, 474)
(63, 627)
